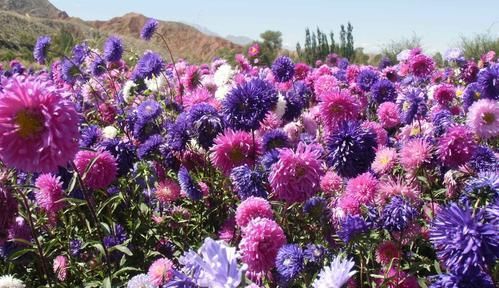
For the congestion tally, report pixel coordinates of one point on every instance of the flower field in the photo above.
(148, 171)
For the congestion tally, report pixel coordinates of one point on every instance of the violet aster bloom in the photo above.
(289, 262)
(113, 49)
(283, 69)
(488, 79)
(149, 28)
(41, 48)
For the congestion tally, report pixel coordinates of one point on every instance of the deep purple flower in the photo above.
(248, 182)
(482, 189)
(188, 186)
(41, 48)
(148, 29)
(70, 71)
(352, 226)
(413, 105)
(149, 65)
(484, 159)
(471, 94)
(398, 214)
(148, 110)
(75, 247)
(289, 262)
(205, 124)
(90, 136)
(488, 79)
(296, 100)
(113, 49)
(247, 104)
(79, 52)
(480, 280)
(315, 253)
(283, 69)
(98, 66)
(351, 149)
(274, 139)
(366, 79)
(464, 242)
(150, 147)
(178, 132)
(383, 90)
(441, 121)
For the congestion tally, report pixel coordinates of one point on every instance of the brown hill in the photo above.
(184, 40)
(22, 21)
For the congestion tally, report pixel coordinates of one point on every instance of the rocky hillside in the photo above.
(23, 20)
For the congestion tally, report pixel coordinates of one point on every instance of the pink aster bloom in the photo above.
(49, 194)
(293, 129)
(421, 65)
(325, 84)
(160, 272)
(199, 95)
(270, 122)
(228, 230)
(98, 169)
(336, 106)
(388, 115)
(261, 241)
(38, 127)
(396, 278)
(386, 252)
(483, 118)
(254, 50)
(167, 191)
(414, 154)
(192, 77)
(232, 149)
(362, 187)
(61, 267)
(444, 94)
(456, 146)
(331, 183)
(348, 204)
(296, 176)
(385, 160)
(251, 208)
(389, 188)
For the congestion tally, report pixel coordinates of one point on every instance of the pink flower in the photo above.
(362, 187)
(349, 204)
(199, 95)
(388, 115)
(389, 188)
(414, 154)
(61, 267)
(251, 208)
(161, 271)
(456, 146)
(381, 134)
(386, 252)
(336, 106)
(49, 194)
(331, 183)
(228, 230)
(98, 169)
(325, 84)
(396, 278)
(167, 191)
(385, 160)
(254, 50)
(483, 118)
(270, 122)
(421, 65)
(261, 241)
(296, 176)
(444, 94)
(38, 128)
(232, 149)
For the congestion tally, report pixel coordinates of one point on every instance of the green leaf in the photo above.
(106, 283)
(123, 249)
(100, 248)
(20, 253)
(125, 269)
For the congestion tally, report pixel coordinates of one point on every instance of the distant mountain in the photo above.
(22, 21)
(202, 29)
(241, 40)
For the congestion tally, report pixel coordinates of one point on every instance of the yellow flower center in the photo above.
(488, 118)
(30, 123)
(477, 95)
(415, 131)
(385, 159)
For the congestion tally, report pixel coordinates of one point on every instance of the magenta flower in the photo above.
(414, 154)
(167, 191)
(49, 194)
(456, 146)
(296, 176)
(388, 115)
(98, 169)
(252, 208)
(337, 106)
(160, 272)
(483, 118)
(38, 127)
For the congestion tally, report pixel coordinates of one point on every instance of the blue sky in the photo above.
(440, 23)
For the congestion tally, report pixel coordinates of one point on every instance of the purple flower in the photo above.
(150, 147)
(289, 262)
(113, 49)
(398, 214)
(149, 28)
(149, 65)
(248, 182)
(488, 79)
(283, 69)
(351, 227)
(366, 79)
(383, 90)
(41, 48)
(187, 184)
(247, 104)
(463, 240)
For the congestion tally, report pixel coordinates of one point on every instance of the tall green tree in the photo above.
(270, 46)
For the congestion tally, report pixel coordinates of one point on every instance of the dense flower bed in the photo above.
(164, 174)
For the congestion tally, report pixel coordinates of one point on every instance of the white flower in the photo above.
(336, 274)
(128, 90)
(109, 132)
(223, 75)
(216, 263)
(404, 55)
(140, 281)
(155, 84)
(222, 92)
(8, 281)
(280, 108)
